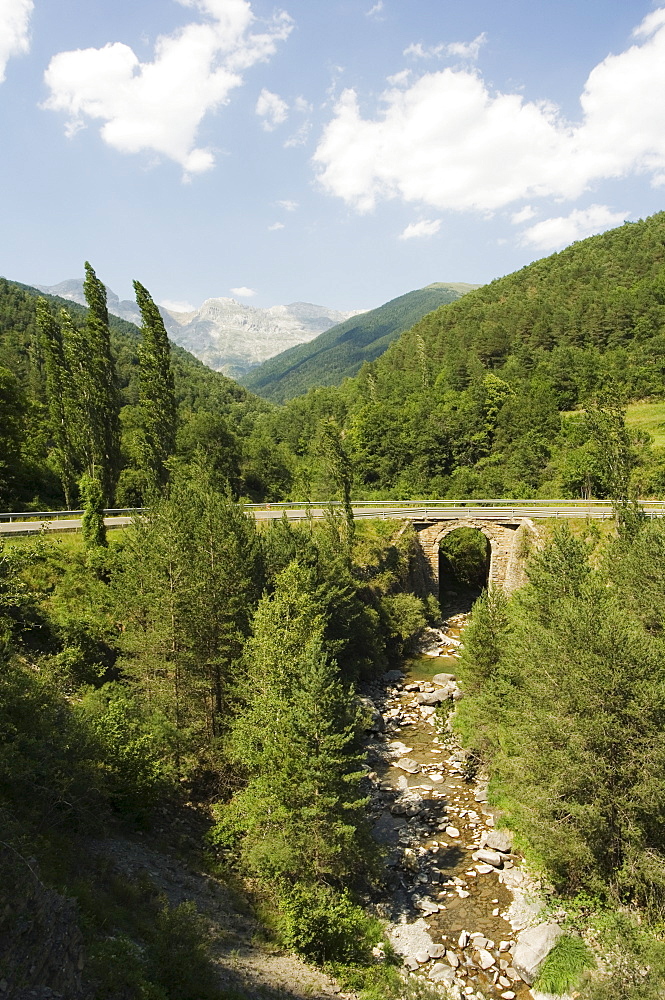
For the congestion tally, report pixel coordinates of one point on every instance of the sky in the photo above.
(340, 152)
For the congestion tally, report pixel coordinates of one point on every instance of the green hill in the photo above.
(342, 350)
(468, 402)
(210, 405)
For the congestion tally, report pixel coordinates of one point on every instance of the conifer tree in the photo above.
(156, 389)
(300, 814)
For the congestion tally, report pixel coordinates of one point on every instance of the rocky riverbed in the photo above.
(459, 900)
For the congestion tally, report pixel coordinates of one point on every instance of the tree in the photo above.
(156, 389)
(59, 398)
(103, 404)
(12, 409)
(92, 522)
(299, 816)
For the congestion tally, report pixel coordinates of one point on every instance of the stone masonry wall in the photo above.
(506, 544)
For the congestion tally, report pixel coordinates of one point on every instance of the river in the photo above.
(453, 916)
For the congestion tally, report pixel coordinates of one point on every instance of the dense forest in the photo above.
(192, 681)
(214, 414)
(517, 389)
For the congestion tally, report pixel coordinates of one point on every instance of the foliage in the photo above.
(563, 967)
(325, 924)
(570, 691)
(93, 530)
(156, 390)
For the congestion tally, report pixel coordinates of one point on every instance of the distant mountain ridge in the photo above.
(341, 351)
(233, 338)
(226, 335)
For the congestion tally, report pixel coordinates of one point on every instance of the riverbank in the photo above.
(457, 896)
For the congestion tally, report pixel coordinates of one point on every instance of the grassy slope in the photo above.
(341, 351)
(648, 417)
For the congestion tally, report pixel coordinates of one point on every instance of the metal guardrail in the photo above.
(429, 510)
(53, 515)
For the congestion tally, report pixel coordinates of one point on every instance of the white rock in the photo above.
(452, 831)
(533, 946)
(485, 959)
(452, 959)
(463, 939)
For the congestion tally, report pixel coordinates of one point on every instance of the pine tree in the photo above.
(300, 816)
(156, 389)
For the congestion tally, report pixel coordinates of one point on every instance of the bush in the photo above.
(326, 925)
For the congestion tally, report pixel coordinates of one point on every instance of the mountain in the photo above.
(475, 400)
(227, 336)
(72, 291)
(233, 338)
(342, 350)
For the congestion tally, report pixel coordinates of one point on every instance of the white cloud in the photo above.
(177, 306)
(14, 30)
(243, 292)
(399, 79)
(287, 205)
(523, 215)
(450, 142)
(467, 50)
(272, 109)
(376, 10)
(551, 234)
(275, 226)
(300, 136)
(158, 106)
(426, 227)
(460, 50)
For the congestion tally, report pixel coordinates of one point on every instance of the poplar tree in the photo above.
(103, 411)
(156, 389)
(59, 398)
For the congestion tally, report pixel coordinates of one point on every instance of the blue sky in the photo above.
(340, 152)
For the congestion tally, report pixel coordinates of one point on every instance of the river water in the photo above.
(432, 817)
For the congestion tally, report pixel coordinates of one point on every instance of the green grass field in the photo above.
(648, 417)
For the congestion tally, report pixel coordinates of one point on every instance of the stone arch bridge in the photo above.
(509, 544)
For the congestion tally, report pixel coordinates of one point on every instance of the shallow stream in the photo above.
(449, 909)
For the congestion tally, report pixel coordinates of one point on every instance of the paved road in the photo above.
(505, 511)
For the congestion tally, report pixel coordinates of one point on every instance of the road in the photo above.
(501, 510)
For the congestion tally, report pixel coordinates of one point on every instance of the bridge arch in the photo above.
(506, 570)
(465, 557)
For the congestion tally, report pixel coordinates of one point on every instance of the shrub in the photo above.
(327, 925)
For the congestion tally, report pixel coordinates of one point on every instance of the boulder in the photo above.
(443, 679)
(408, 764)
(441, 974)
(488, 858)
(391, 676)
(498, 840)
(484, 958)
(533, 946)
(433, 697)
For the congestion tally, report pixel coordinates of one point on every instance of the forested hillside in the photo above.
(340, 352)
(475, 399)
(213, 411)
